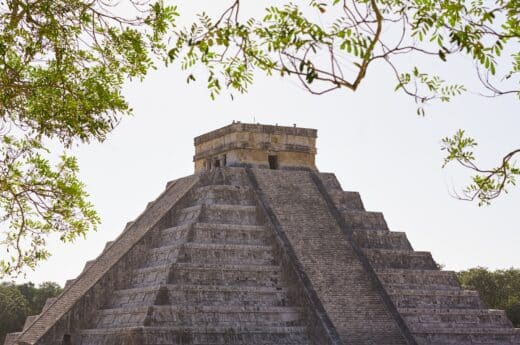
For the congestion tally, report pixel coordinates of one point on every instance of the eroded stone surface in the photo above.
(435, 308)
(256, 145)
(257, 256)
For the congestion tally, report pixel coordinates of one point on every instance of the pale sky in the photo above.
(372, 140)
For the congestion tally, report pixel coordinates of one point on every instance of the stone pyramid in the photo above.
(259, 247)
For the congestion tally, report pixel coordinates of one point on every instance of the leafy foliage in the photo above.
(499, 289)
(38, 199)
(329, 45)
(19, 301)
(36, 297)
(62, 68)
(63, 65)
(13, 309)
(486, 184)
(332, 43)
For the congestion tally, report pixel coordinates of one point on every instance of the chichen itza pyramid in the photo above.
(259, 247)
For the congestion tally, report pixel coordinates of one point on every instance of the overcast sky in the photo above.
(372, 140)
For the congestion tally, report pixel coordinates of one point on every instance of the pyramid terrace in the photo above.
(258, 247)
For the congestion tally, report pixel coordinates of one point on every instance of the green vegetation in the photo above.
(63, 64)
(19, 301)
(62, 68)
(330, 45)
(499, 289)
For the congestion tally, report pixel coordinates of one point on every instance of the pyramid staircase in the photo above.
(211, 271)
(433, 305)
(210, 277)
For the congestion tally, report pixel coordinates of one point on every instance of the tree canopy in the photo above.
(19, 301)
(331, 45)
(13, 309)
(62, 68)
(499, 289)
(63, 65)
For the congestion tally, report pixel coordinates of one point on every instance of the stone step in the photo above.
(231, 214)
(215, 295)
(87, 265)
(363, 220)
(330, 182)
(183, 294)
(186, 215)
(419, 318)
(29, 320)
(422, 279)
(230, 275)
(150, 276)
(230, 233)
(121, 317)
(347, 201)
(68, 283)
(134, 297)
(189, 315)
(163, 255)
(218, 213)
(468, 336)
(381, 239)
(214, 177)
(436, 299)
(226, 253)
(49, 302)
(175, 234)
(205, 335)
(224, 194)
(229, 315)
(388, 258)
(10, 338)
(107, 245)
(421, 287)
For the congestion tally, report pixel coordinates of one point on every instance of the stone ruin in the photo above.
(259, 247)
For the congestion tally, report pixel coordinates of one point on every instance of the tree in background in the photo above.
(499, 289)
(13, 309)
(19, 301)
(37, 296)
(332, 44)
(62, 67)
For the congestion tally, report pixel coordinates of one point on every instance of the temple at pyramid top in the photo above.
(257, 146)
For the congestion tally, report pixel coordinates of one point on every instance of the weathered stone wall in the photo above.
(260, 256)
(430, 303)
(74, 308)
(250, 145)
(207, 273)
(301, 292)
(338, 277)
